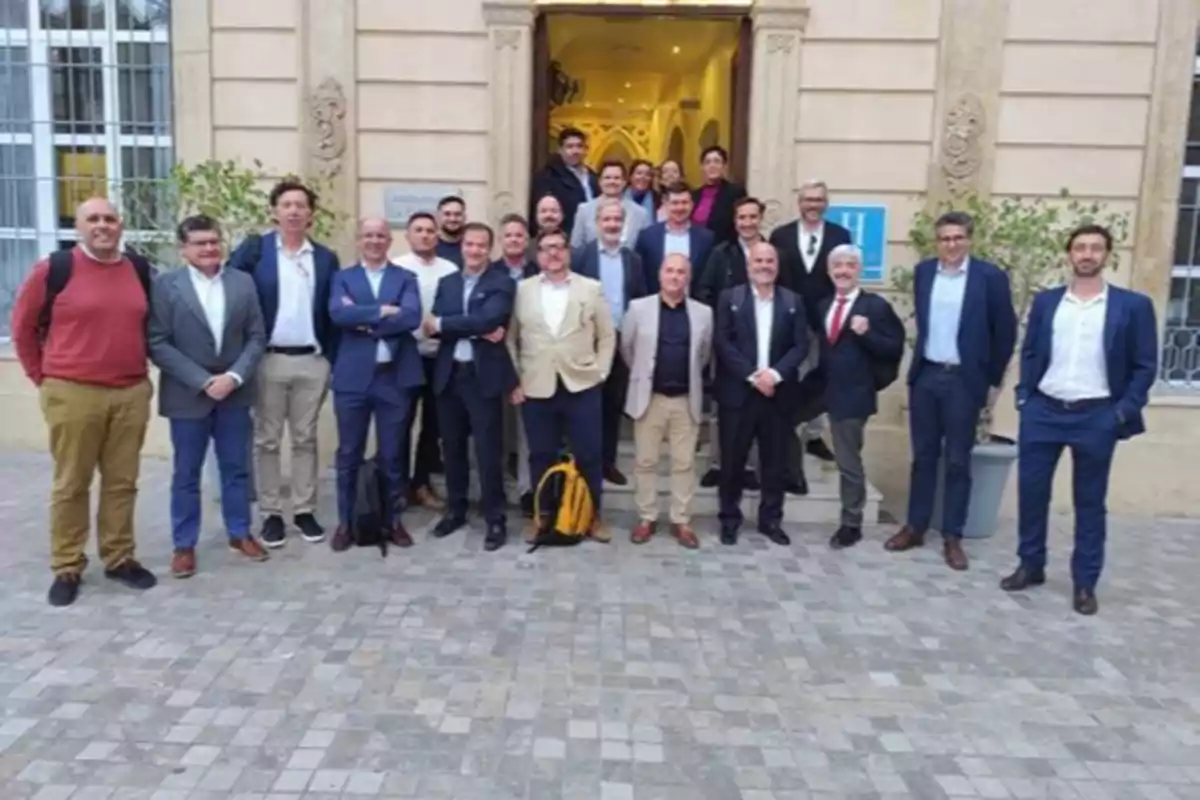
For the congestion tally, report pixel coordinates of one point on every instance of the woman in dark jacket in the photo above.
(714, 200)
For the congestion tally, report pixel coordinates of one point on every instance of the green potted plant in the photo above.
(1025, 238)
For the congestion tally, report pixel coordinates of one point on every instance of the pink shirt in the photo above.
(703, 210)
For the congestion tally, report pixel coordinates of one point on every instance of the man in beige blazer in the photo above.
(561, 340)
(666, 339)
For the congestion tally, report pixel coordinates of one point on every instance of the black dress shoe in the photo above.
(1023, 578)
(775, 533)
(846, 536)
(64, 590)
(750, 481)
(615, 476)
(496, 537)
(819, 450)
(729, 534)
(273, 533)
(133, 575)
(448, 525)
(798, 486)
(527, 505)
(1085, 602)
(310, 529)
(710, 478)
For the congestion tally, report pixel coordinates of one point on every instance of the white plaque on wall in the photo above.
(402, 200)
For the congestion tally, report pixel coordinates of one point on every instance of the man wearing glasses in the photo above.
(966, 332)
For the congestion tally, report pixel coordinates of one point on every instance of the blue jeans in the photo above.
(229, 428)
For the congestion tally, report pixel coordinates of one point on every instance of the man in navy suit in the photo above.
(1088, 360)
(676, 234)
(760, 342)
(966, 332)
(861, 338)
(472, 377)
(377, 372)
(622, 279)
(293, 276)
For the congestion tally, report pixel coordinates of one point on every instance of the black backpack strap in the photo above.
(142, 267)
(57, 277)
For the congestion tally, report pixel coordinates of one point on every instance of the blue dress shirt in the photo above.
(945, 314)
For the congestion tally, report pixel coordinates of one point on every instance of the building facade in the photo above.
(891, 103)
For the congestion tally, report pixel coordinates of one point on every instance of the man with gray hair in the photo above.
(862, 343)
(612, 187)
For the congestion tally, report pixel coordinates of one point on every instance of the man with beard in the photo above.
(567, 178)
(451, 216)
(1088, 361)
(612, 187)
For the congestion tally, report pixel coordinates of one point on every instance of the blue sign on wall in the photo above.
(868, 229)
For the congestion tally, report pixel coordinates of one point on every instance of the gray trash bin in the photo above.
(991, 464)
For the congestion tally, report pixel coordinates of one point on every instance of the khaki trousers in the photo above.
(669, 418)
(93, 428)
(291, 390)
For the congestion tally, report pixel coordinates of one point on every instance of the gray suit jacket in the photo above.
(183, 347)
(639, 348)
(585, 231)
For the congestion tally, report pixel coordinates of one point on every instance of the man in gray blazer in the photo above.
(666, 339)
(612, 185)
(206, 336)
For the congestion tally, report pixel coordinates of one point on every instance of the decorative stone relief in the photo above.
(962, 155)
(780, 43)
(327, 110)
(503, 203)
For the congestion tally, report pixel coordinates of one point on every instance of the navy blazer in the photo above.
(813, 286)
(529, 270)
(586, 261)
(736, 344)
(651, 247)
(1130, 347)
(846, 366)
(362, 327)
(265, 271)
(987, 331)
(489, 307)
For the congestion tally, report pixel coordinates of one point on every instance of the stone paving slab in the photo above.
(597, 673)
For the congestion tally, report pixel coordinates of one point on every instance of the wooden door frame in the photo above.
(739, 134)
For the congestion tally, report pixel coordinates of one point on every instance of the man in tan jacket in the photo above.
(561, 340)
(666, 339)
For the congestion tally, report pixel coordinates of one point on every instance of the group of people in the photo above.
(617, 299)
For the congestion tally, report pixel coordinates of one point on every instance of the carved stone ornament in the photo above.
(961, 153)
(508, 38)
(780, 42)
(772, 214)
(327, 110)
(503, 203)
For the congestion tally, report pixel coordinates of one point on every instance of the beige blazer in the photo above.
(580, 354)
(639, 348)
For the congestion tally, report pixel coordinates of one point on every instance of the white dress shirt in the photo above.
(211, 292)
(678, 242)
(383, 354)
(810, 244)
(297, 282)
(554, 297)
(429, 274)
(1077, 369)
(764, 322)
(850, 298)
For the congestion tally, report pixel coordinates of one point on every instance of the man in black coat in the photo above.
(566, 177)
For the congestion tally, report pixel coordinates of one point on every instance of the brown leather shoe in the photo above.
(642, 533)
(425, 496)
(341, 539)
(952, 551)
(400, 536)
(905, 539)
(183, 563)
(685, 536)
(250, 548)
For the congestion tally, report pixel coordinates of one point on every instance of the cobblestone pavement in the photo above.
(600, 673)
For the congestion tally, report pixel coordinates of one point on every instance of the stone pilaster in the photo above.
(328, 80)
(510, 78)
(1170, 100)
(967, 108)
(771, 174)
(192, 84)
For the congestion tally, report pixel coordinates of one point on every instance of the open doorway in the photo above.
(643, 85)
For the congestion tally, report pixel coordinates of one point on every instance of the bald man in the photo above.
(88, 360)
(377, 373)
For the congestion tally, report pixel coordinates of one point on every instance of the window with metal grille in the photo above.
(85, 110)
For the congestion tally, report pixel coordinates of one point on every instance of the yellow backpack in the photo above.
(563, 508)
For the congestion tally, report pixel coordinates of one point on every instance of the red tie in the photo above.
(835, 326)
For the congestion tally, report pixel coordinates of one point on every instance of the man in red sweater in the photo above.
(90, 368)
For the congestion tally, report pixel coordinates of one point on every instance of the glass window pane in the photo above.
(77, 86)
(17, 257)
(82, 174)
(143, 15)
(145, 188)
(16, 110)
(73, 14)
(18, 187)
(14, 14)
(144, 81)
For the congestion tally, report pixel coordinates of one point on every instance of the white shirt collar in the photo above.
(556, 284)
(850, 298)
(198, 275)
(1100, 298)
(305, 246)
(941, 268)
(87, 252)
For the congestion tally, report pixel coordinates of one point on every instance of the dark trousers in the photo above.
(565, 418)
(763, 420)
(391, 407)
(847, 452)
(464, 413)
(229, 429)
(614, 408)
(428, 458)
(1090, 431)
(942, 416)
